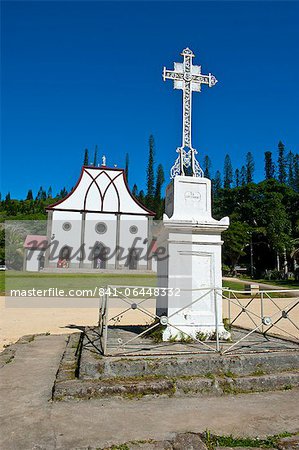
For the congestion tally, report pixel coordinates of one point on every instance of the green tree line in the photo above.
(264, 230)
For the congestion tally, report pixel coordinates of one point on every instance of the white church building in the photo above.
(99, 225)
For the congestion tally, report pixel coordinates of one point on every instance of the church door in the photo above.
(99, 257)
(133, 259)
(64, 257)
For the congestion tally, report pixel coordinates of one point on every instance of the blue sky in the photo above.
(77, 74)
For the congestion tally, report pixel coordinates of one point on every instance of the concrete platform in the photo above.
(30, 420)
(84, 373)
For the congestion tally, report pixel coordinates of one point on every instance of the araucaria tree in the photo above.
(249, 167)
(207, 167)
(158, 203)
(29, 195)
(296, 172)
(243, 176)
(290, 163)
(95, 158)
(127, 166)
(135, 191)
(217, 183)
(269, 166)
(85, 161)
(228, 172)
(237, 177)
(282, 172)
(150, 176)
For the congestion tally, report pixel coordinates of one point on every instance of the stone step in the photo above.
(89, 375)
(92, 366)
(138, 387)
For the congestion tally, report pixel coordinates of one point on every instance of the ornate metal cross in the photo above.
(189, 78)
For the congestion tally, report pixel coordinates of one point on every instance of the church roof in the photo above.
(101, 189)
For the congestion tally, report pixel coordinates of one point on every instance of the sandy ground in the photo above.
(21, 316)
(17, 321)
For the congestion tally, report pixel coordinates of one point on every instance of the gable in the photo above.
(104, 190)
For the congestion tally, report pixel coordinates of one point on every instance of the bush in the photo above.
(273, 275)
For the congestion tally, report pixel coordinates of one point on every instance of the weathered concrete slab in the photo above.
(30, 420)
(84, 373)
(289, 443)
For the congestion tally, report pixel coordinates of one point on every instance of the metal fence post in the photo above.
(229, 308)
(105, 323)
(262, 310)
(216, 320)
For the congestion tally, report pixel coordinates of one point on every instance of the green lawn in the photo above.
(287, 284)
(29, 280)
(234, 285)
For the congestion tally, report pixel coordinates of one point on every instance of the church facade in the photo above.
(99, 225)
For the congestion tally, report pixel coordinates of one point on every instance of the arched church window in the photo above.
(101, 228)
(67, 226)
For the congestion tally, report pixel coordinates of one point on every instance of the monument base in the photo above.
(194, 332)
(191, 274)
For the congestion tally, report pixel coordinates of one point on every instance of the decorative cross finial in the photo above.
(189, 78)
(103, 160)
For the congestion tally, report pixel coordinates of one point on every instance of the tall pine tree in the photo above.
(243, 176)
(135, 191)
(158, 202)
(237, 177)
(95, 158)
(49, 194)
(85, 161)
(290, 166)
(160, 178)
(39, 194)
(207, 167)
(127, 166)
(282, 172)
(29, 195)
(269, 166)
(249, 167)
(217, 183)
(296, 172)
(228, 172)
(150, 176)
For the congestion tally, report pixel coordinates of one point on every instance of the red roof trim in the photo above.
(70, 193)
(150, 213)
(51, 207)
(94, 211)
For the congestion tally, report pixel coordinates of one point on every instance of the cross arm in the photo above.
(210, 80)
(172, 75)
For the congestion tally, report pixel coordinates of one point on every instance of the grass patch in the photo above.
(40, 280)
(213, 440)
(234, 285)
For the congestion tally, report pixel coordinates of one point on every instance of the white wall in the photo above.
(127, 238)
(32, 260)
(71, 238)
(91, 237)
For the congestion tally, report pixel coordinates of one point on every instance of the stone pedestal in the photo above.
(192, 270)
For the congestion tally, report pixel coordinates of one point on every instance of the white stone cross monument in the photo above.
(191, 236)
